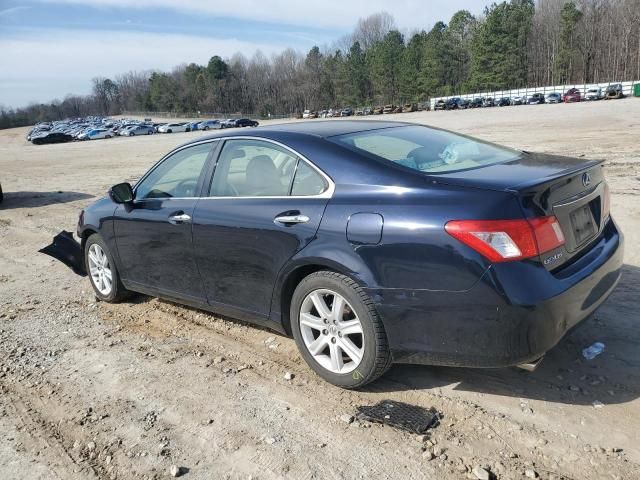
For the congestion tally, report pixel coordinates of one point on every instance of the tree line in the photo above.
(512, 44)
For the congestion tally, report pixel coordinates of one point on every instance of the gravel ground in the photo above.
(149, 389)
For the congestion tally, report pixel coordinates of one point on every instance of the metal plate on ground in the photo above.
(400, 415)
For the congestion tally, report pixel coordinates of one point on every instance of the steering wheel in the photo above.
(186, 188)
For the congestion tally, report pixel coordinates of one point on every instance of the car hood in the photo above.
(527, 170)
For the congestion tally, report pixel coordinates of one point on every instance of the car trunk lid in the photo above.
(572, 189)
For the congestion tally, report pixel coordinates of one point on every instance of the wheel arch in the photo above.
(86, 233)
(291, 278)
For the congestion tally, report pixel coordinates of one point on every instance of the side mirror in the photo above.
(121, 193)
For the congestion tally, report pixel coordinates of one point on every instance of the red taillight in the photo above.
(507, 240)
(606, 201)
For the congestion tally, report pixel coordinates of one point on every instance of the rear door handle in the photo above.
(291, 219)
(179, 218)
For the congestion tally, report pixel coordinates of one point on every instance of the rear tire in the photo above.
(353, 331)
(102, 271)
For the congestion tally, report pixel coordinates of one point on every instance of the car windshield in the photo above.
(426, 149)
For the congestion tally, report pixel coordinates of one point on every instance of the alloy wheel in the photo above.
(331, 331)
(100, 270)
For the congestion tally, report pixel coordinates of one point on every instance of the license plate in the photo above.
(583, 224)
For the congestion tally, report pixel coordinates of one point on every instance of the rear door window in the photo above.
(253, 168)
(258, 168)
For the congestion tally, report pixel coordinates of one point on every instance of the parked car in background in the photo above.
(518, 100)
(457, 103)
(476, 102)
(123, 128)
(96, 134)
(553, 97)
(357, 274)
(409, 107)
(51, 137)
(572, 95)
(504, 102)
(388, 109)
(367, 111)
(247, 122)
(593, 94)
(141, 130)
(39, 129)
(346, 112)
(379, 110)
(228, 123)
(489, 102)
(210, 125)
(614, 91)
(440, 105)
(174, 128)
(536, 99)
(306, 114)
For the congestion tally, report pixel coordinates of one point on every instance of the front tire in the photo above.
(338, 331)
(103, 274)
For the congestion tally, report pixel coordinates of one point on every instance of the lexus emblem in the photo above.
(586, 179)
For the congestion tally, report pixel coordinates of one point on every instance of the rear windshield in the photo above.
(426, 149)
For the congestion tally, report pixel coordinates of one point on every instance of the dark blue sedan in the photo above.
(368, 242)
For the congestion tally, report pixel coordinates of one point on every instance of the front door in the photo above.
(153, 236)
(264, 205)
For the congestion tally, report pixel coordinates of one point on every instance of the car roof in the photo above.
(318, 129)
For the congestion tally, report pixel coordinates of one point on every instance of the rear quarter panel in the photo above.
(414, 251)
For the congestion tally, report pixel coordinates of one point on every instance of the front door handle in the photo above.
(179, 218)
(291, 219)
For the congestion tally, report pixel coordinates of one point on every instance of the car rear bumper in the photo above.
(509, 317)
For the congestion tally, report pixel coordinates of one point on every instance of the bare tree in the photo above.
(372, 29)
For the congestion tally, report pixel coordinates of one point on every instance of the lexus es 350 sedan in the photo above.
(368, 242)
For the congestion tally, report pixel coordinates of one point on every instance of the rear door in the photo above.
(264, 204)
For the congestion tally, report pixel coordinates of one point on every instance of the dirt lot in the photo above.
(91, 390)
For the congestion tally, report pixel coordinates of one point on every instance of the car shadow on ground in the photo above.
(564, 376)
(15, 200)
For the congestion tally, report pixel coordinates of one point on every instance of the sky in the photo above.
(51, 48)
